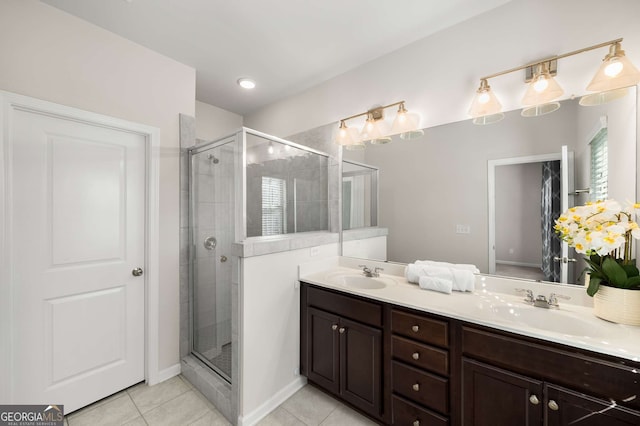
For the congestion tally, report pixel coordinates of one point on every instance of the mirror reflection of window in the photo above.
(599, 166)
(274, 201)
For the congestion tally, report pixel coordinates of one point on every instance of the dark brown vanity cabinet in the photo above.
(342, 347)
(406, 367)
(508, 380)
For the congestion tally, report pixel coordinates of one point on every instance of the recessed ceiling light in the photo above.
(246, 83)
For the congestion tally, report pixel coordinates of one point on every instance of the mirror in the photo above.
(359, 195)
(433, 191)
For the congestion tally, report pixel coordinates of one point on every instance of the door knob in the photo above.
(415, 328)
(553, 405)
(416, 356)
(223, 258)
(137, 272)
(416, 387)
(341, 330)
(534, 400)
(334, 327)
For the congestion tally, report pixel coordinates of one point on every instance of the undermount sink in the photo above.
(360, 281)
(548, 320)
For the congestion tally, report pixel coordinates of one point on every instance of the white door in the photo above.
(77, 210)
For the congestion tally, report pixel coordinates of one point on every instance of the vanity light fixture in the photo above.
(612, 80)
(376, 130)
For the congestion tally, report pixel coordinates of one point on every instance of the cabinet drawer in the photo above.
(425, 388)
(345, 306)
(406, 413)
(419, 355)
(420, 328)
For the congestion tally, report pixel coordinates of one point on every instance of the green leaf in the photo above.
(594, 285)
(614, 272)
(631, 270)
(632, 282)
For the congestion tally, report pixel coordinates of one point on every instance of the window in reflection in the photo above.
(599, 166)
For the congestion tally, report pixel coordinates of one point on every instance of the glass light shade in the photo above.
(348, 137)
(603, 97)
(542, 89)
(355, 146)
(615, 72)
(344, 136)
(375, 131)
(485, 102)
(538, 110)
(488, 119)
(406, 124)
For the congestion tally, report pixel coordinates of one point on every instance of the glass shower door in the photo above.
(212, 207)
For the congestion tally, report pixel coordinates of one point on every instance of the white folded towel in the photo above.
(465, 266)
(461, 279)
(436, 284)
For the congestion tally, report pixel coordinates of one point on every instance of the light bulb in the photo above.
(541, 84)
(484, 98)
(614, 68)
(270, 150)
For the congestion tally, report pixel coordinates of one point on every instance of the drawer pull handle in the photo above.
(341, 330)
(534, 400)
(334, 327)
(415, 356)
(553, 405)
(416, 423)
(416, 387)
(415, 328)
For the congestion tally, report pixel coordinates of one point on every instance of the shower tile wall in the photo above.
(187, 140)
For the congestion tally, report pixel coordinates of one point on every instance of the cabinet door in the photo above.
(323, 352)
(495, 397)
(360, 367)
(565, 407)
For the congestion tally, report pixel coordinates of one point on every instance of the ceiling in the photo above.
(286, 46)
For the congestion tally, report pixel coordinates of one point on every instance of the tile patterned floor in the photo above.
(175, 402)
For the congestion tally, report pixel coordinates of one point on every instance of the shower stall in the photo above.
(243, 190)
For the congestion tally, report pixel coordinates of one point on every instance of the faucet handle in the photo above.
(553, 299)
(528, 294)
(365, 270)
(376, 270)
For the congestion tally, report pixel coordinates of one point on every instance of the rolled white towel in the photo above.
(461, 279)
(436, 284)
(464, 266)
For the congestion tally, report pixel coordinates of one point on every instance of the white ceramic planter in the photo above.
(617, 305)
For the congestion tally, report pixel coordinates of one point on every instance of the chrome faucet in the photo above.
(367, 272)
(540, 301)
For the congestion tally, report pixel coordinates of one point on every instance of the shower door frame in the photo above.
(191, 152)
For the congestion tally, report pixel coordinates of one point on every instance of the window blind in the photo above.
(274, 199)
(599, 166)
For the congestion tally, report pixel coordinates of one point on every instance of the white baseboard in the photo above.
(165, 374)
(272, 403)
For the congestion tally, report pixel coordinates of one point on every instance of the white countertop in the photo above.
(494, 303)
